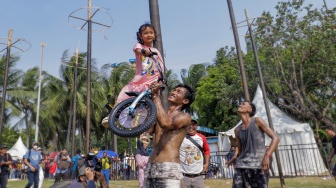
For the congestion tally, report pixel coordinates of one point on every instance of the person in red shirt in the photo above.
(194, 157)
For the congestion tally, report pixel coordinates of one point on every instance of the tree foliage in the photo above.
(299, 66)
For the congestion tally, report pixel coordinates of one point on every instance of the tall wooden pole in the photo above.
(74, 106)
(88, 80)
(4, 88)
(261, 80)
(155, 21)
(239, 52)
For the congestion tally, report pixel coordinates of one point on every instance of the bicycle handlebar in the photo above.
(163, 77)
(153, 53)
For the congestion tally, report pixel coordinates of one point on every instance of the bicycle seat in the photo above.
(132, 93)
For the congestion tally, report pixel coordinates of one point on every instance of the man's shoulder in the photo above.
(238, 127)
(185, 117)
(200, 135)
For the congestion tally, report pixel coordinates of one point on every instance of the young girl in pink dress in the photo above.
(146, 69)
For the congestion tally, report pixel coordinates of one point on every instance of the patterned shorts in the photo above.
(167, 175)
(243, 178)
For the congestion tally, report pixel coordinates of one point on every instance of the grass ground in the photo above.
(300, 182)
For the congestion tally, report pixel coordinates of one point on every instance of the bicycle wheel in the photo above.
(123, 124)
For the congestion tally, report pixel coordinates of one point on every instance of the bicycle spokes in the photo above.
(129, 120)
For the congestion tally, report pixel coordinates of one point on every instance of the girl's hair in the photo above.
(141, 29)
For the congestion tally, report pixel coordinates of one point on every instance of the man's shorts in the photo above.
(255, 178)
(167, 174)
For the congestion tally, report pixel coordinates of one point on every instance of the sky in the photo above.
(192, 30)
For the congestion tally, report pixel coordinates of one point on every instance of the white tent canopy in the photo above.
(18, 150)
(296, 139)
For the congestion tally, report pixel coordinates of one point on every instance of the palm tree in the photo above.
(13, 81)
(25, 97)
(116, 77)
(193, 76)
(172, 80)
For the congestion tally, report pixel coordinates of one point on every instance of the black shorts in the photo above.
(244, 178)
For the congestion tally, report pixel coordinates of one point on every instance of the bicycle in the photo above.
(135, 115)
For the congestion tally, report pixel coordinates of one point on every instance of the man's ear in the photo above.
(185, 101)
(250, 109)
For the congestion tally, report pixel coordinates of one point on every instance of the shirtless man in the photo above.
(163, 168)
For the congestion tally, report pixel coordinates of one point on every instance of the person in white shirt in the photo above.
(194, 157)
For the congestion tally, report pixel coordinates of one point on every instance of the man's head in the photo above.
(78, 151)
(233, 148)
(3, 149)
(64, 151)
(105, 154)
(193, 126)
(35, 145)
(91, 149)
(81, 174)
(247, 107)
(330, 131)
(182, 94)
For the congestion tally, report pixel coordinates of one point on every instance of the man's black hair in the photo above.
(190, 95)
(330, 128)
(78, 151)
(254, 109)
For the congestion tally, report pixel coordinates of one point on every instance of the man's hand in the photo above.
(32, 169)
(205, 168)
(155, 87)
(89, 174)
(265, 163)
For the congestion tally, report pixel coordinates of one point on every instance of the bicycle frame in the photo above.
(138, 98)
(148, 91)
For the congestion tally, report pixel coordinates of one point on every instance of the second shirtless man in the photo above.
(163, 168)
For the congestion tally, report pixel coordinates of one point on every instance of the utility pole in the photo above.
(43, 44)
(155, 21)
(261, 80)
(239, 52)
(18, 49)
(4, 87)
(74, 106)
(88, 80)
(89, 23)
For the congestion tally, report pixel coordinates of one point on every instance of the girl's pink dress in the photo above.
(146, 72)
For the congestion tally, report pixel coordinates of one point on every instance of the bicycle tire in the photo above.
(120, 120)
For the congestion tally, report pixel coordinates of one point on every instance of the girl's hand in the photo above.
(145, 52)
